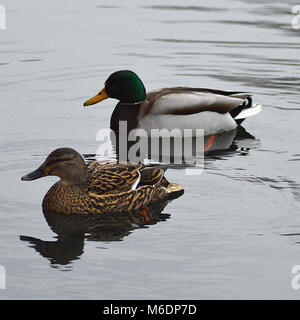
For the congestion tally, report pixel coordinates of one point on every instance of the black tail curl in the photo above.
(245, 105)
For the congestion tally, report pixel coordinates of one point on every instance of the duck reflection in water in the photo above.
(73, 230)
(176, 152)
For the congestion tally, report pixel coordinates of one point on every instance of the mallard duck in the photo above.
(101, 187)
(215, 111)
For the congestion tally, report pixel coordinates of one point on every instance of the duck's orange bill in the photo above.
(102, 95)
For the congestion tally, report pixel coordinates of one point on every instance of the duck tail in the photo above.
(245, 110)
(175, 190)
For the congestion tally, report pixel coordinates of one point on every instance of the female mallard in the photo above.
(214, 111)
(101, 187)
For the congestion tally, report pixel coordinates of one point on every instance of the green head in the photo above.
(123, 85)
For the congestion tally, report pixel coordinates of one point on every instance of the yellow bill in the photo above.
(102, 95)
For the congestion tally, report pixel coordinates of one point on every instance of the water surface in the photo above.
(235, 232)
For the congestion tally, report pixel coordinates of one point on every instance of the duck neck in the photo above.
(125, 112)
(74, 175)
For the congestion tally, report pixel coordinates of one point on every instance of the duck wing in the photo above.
(186, 100)
(127, 187)
(151, 176)
(106, 177)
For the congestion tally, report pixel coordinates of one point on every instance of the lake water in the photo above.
(235, 233)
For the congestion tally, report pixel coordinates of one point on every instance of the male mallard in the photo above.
(213, 110)
(101, 187)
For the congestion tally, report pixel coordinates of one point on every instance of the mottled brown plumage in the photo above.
(100, 187)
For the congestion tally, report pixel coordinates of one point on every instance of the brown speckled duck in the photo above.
(101, 187)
